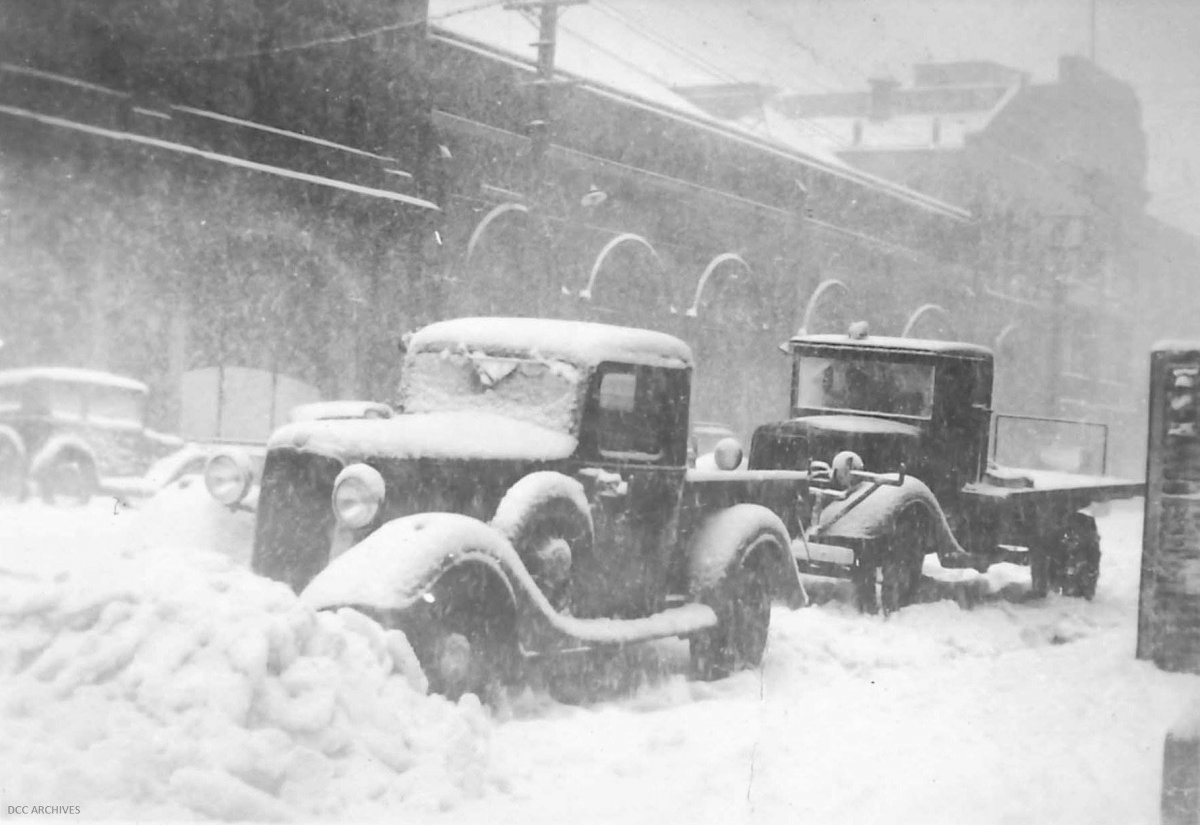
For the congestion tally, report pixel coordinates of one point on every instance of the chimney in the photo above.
(883, 91)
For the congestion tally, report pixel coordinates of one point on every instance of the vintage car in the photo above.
(74, 432)
(532, 499)
(926, 405)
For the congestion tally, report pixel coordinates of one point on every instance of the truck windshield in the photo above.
(864, 385)
(540, 391)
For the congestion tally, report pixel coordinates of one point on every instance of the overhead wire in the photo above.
(704, 63)
(325, 41)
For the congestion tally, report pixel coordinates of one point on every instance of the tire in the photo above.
(466, 641)
(893, 581)
(12, 470)
(70, 479)
(1068, 560)
(550, 539)
(1080, 557)
(1039, 571)
(743, 607)
(907, 547)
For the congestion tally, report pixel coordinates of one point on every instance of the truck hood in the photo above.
(446, 435)
(881, 443)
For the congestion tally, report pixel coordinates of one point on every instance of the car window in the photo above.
(116, 405)
(853, 384)
(58, 399)
(630, 407)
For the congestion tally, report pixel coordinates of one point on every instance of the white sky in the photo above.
(816, 45)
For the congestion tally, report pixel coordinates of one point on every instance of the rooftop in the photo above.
(882, 343)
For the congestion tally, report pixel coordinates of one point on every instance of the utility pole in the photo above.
(539, 127)
(1092, 39)
(544, 247)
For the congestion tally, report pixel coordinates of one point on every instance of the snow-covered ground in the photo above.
(142, 677)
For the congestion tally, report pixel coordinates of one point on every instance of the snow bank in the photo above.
(168, 685)
(183, 518)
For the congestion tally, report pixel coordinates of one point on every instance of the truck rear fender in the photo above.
(726, 538)
(869, 516)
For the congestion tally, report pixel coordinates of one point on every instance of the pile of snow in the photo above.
(183, 519)
(140, 684)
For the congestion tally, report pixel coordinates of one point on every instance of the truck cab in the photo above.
(921, 403)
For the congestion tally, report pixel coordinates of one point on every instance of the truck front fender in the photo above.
(868, 516)
(395, 567)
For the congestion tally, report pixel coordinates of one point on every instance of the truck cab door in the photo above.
(962, 420)
(634, 433)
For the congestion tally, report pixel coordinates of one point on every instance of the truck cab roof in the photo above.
(578, 342)
(885, 343)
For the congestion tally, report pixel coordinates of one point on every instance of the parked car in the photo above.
(926, 405)
(73, 432)
(532, 500)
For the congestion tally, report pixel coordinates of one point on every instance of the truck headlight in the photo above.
(728, 454)
(228, 477)
(845, 464)
(357, 494)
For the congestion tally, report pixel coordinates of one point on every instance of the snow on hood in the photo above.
(467, 434)
(157, 686)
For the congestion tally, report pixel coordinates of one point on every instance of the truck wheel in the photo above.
(1039, 571)
(467, 642)
(1080, 557)
(550, 529)
(743, 608)
(906, 551)
(71, 479)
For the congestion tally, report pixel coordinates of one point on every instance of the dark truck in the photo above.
(531, 498)
(924, 406)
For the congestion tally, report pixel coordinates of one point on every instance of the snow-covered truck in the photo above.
(532, 498)
(925, 405)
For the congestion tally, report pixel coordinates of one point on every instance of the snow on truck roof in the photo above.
(886, 342)
(70, 375)
(579, 342)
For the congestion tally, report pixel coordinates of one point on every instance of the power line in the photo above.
(325, 41)
(677, 48)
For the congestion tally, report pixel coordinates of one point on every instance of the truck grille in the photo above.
(779, 451)
(295, 519)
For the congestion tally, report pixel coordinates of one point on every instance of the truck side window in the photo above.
(626, 421)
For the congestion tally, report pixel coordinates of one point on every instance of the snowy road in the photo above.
(253, 708)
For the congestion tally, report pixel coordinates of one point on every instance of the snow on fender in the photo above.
(533, 492)
(724, 536)
(399, 562)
